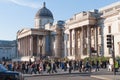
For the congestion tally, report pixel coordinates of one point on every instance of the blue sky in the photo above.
(18, 14)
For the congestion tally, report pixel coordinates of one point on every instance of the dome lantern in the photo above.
(44, 12)
(44, 4)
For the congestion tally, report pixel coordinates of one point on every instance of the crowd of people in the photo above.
(53, 66)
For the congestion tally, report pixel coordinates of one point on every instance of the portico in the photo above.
(32, 43)
(82, 35)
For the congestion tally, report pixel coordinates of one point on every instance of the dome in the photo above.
(44, 12)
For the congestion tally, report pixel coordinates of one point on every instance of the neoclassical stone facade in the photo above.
(110, 24)
(86, 32)
(46, 39)
(83, 35)
(8, 49)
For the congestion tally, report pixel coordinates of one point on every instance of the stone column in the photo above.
(56, 48)
(31, 46)
(70, 38)
(89, 40)
(58, 44)
(22, 48)
(44, 45)
(82, 42)
(28, 45)
(18, 47)
(25, 46)
(96, 38)
(41, 45)
(38, 46)
(75, 53)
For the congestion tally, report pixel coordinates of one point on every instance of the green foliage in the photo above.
(100, 59)
(118, 57)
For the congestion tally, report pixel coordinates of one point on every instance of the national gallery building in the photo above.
(83, 35)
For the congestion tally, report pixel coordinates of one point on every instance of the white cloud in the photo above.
(27, 3)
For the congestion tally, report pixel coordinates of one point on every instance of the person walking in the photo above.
(97, 65)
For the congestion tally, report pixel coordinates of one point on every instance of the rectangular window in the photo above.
(109, 29)
(78, 34)
(109, 51)
(68, 37)
(92, 32)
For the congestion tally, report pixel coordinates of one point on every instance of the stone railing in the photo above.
(81, 17)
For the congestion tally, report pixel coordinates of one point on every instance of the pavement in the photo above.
(107, 77)
(103, 74)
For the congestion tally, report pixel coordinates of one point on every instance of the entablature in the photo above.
(32, 32)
